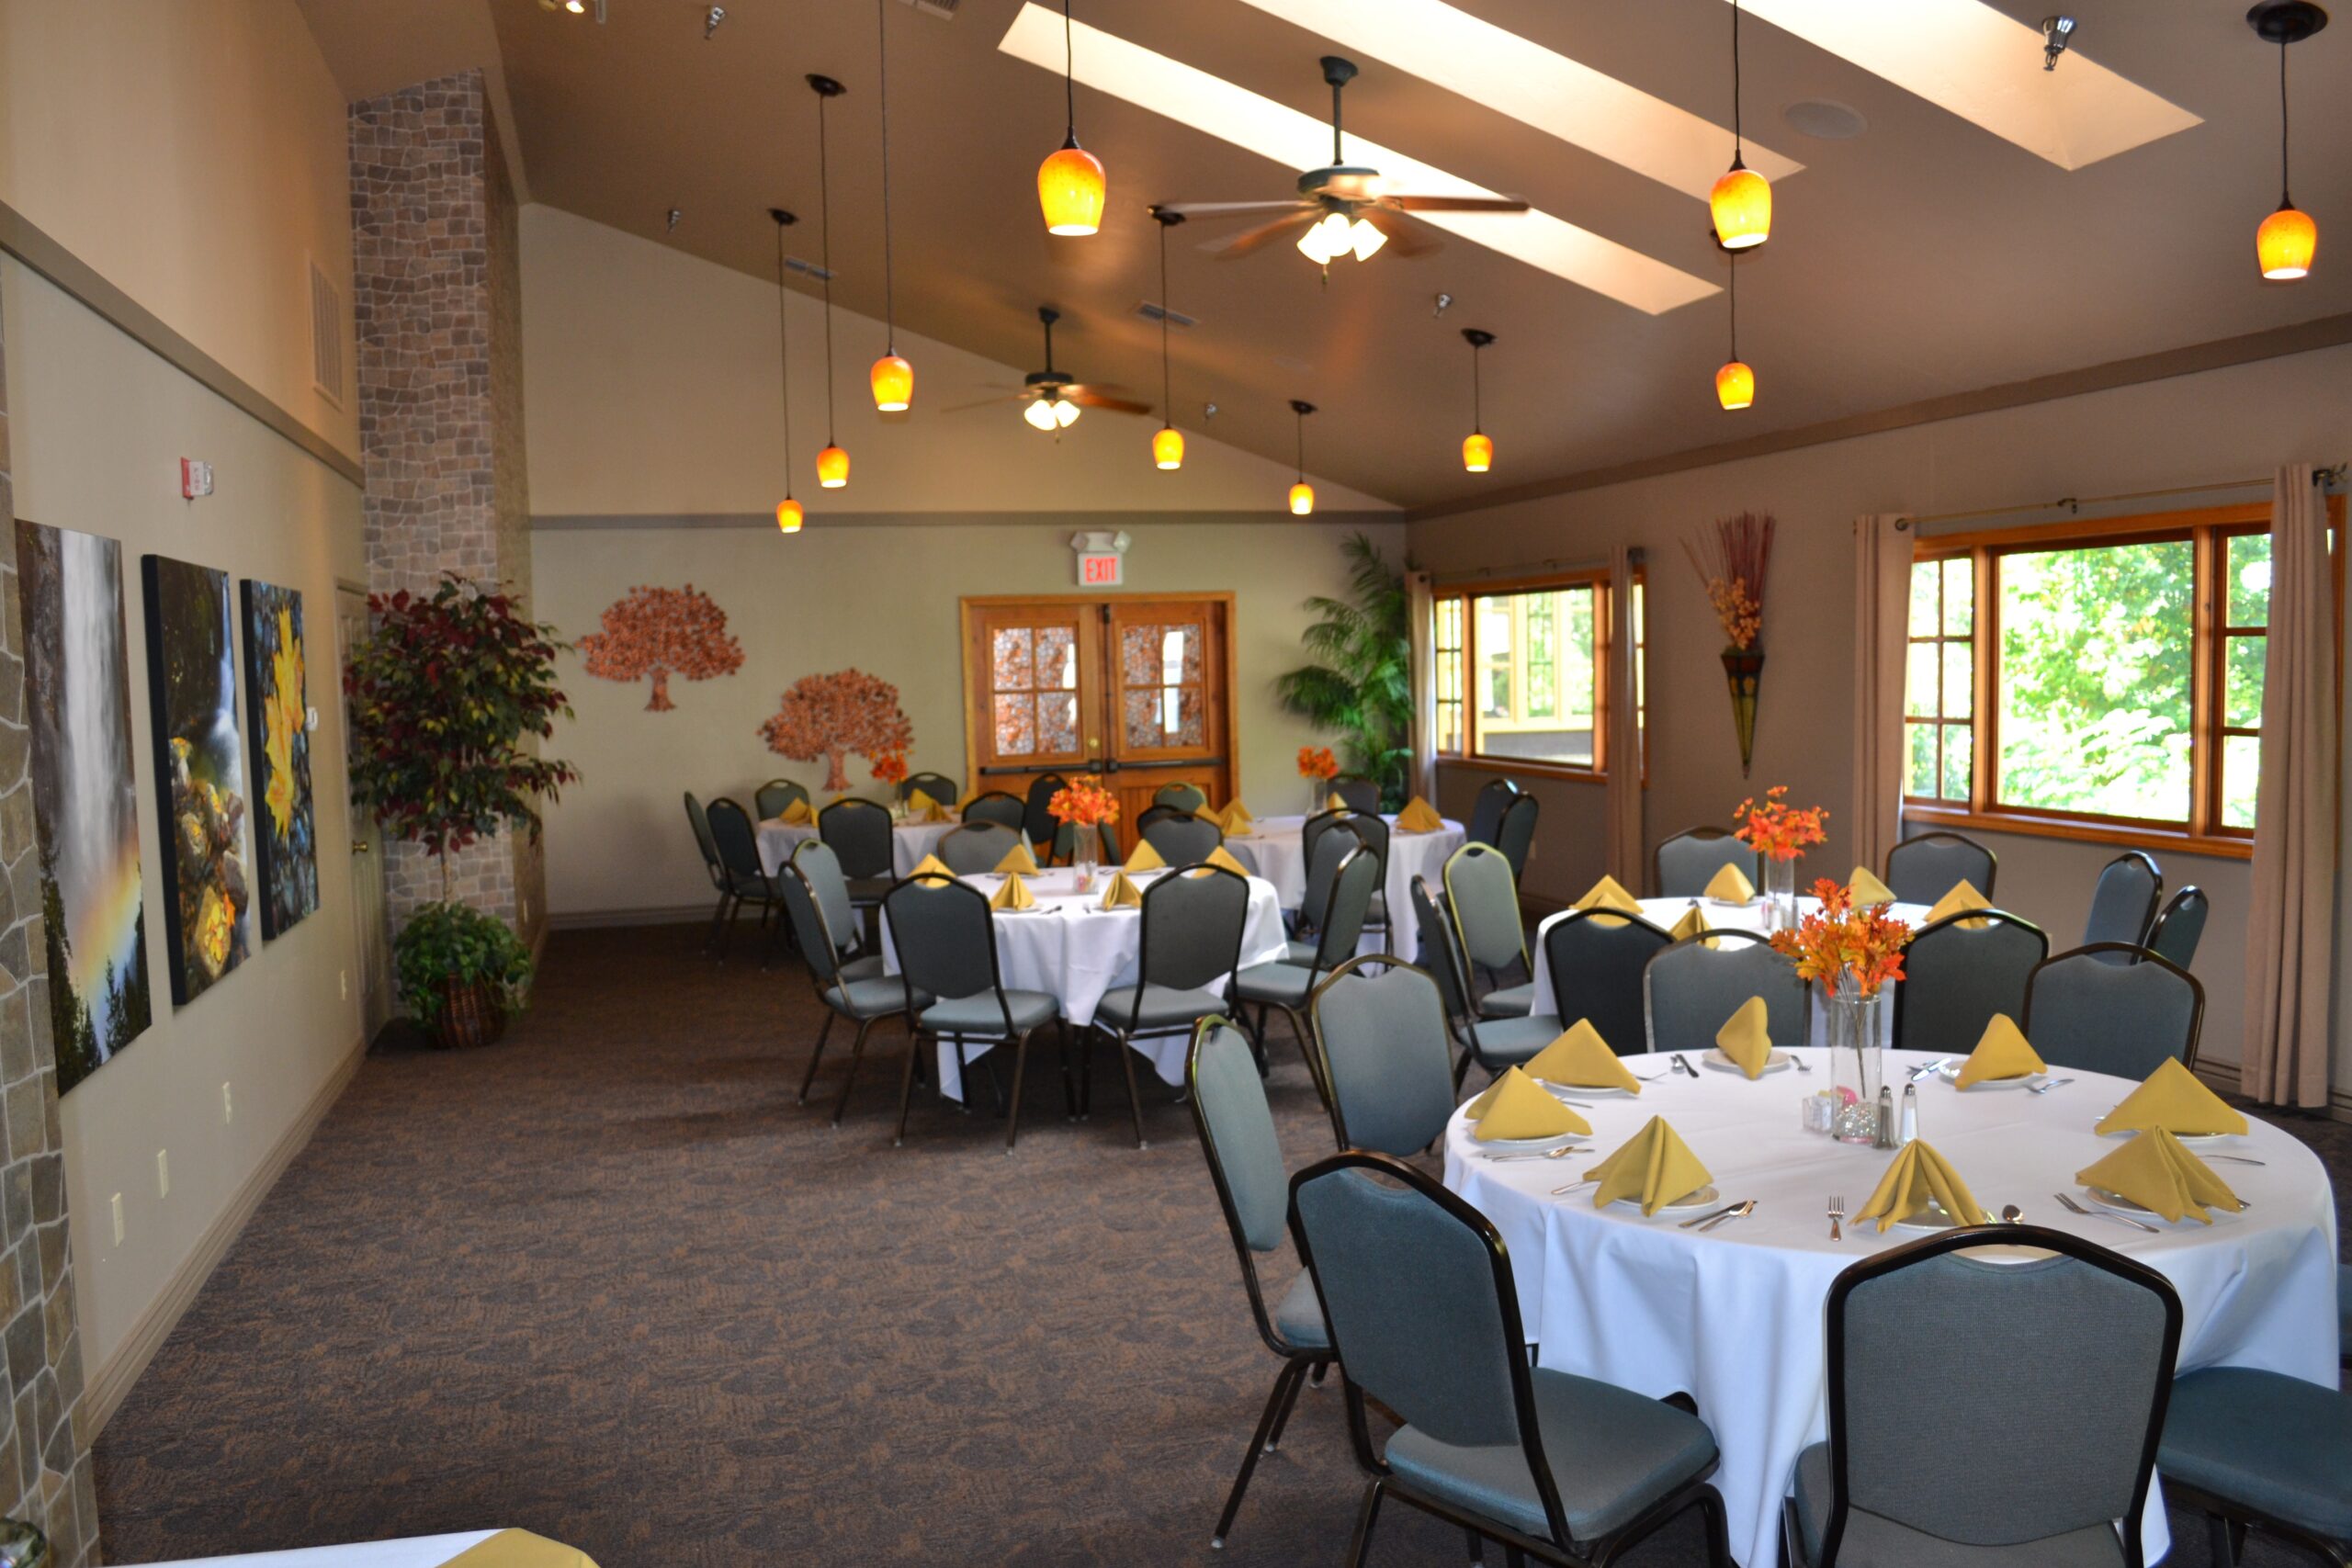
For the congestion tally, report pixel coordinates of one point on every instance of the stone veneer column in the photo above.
(437, 297)
(45, 1473)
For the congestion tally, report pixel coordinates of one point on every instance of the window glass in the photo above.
(1535, 651)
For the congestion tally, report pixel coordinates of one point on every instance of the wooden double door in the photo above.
(1136, 688)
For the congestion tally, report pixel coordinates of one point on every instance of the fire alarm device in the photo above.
(195, 478)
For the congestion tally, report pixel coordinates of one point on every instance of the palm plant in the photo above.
(1360, 685)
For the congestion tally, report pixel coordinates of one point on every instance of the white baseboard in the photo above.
(110, 1385)
(656, 914)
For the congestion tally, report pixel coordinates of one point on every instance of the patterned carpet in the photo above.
(605, 1280)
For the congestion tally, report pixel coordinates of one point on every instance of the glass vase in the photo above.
(1086, 861)
(1780, 895)
(1857, 1062)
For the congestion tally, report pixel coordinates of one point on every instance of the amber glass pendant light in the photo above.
(789, 513)
(1072, 186)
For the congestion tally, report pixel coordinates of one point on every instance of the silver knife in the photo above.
(1681, 1062)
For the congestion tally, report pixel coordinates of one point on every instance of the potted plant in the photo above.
(1360, 685)
(443, 693)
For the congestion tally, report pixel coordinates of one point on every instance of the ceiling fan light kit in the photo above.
(2288, 240)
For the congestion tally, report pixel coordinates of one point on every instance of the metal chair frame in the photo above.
(1992, 860)
(1123, 1036)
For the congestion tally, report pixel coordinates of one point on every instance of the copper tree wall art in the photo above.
(661, 631)
(1731, 562)
(832, 716)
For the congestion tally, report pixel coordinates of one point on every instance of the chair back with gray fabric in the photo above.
(1923, 868)
(939, 786)
(1595, 958)
(1360, 793)
(699, 820)
(1036, 820)
(1192, 928)
(2175, 936)
(1691, 988)
(1324, 850)
(859, 831)
(1370, 829)
(2124, 901)
(1956, 979)
(1067, 842)
(945, 939)
(739, 846)
(2113, 1007)
(1439, 956)
(1340, 927)
(816, 862)
(1181, 795)
(1244, 1152)
(1181, 838)
(774, 796)
(997, 806)
(1311, 831)
(1484, 897)
(809, 928)
(1243, 855)
(1387, 1055)
(1683, 865)
(2051, 1375)
(1515, 836)
(1486, 811)
(976, 847)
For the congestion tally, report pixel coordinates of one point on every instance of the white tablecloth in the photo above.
(1282, 858)
(1084, 949)
(1664, 912)
(909, 841)
(1735, 1317)
(415, 1551)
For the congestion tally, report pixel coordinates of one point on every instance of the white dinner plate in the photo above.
(1682, 1206)
(1950, 1073)
(1779, 1061)
(1585, 1092)
(1932, 1218)
(1528, 1145)
(1731, 903)
(2183, 1137)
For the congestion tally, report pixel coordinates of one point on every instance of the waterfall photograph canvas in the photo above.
(85, 794)
(285, 834)
(199, 773)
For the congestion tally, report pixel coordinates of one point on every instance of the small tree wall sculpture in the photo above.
(832, 716)
(661, 631)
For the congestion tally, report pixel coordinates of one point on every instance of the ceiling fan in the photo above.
(1053, 399)
(1341, 208)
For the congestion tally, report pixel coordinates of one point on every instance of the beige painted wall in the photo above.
(196, 157)
(2224, 424)
(97, 422)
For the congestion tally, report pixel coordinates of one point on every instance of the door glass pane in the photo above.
(1016, 726)
(1919, 776)
(2243, 708)
(2241, 772)
(1056, 722)
(1058, 658)
(1012, 666)
(2249, 575)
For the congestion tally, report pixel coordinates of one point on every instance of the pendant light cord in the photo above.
(1167, 401)
(1300, 419)
(882, 53)
(1477, 415)
(784, 356)
(1069, 80)
(2283, 200)
(825, 260)
(1735, 140)
(1735, 303)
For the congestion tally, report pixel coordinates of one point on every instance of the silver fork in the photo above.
(2074, 1208)
(1837, 1214)
(1739, 1210)
(2047, 1085)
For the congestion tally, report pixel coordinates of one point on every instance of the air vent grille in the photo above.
(1152, 311)
(326, 336)
(944, 9)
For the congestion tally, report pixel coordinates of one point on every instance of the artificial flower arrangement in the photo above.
(1083, 802)
(1316, 762)
(1841, 941)
(890, 768)
(1732, 567)
(1776, 829)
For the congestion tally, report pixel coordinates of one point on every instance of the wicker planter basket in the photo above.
(470, 1015)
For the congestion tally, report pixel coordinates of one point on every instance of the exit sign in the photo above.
(1103, 569)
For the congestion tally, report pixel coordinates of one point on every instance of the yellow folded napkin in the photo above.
(1691, 924)
(520, 1549)
(1654, 1166)
(1868, 889)
(1143, 857)
(1606, 894)
(1332, 802)
(1122, 894)
(2154, 1170)
(1208, 813)
(1019, 859)
(930, 865)
(1746, 1037)
(2002, 1052)
(1013, 894)
(1582, 1058)
(1914, 1176)
(1963, 896)
(1418, 816)
(2174, 1100)
(1730, 886)
(1223, 861)
(921, 807)
(796, 812)
(1517, 1107)
(1237, 820)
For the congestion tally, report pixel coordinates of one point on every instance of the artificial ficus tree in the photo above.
(661, 631)
(832, 716)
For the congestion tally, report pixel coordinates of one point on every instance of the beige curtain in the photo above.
(2289, 930)
(1419, 607)
(1623, 790)
(1881, 611)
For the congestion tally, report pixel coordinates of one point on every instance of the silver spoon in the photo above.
(1803, 1065)
(2011, 1214)
(1561, 1153)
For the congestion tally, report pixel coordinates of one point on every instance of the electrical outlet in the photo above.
(116, 1206)
(228, 1106)
(342, 983)
(163, 1173)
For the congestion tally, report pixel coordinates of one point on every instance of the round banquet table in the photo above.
(1735, 1317)
(1278, 843)
(909, 841)
(1072, 949)
(1748, 916)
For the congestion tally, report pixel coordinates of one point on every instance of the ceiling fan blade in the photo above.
(1454, 203)
(1249, 239)
(1117, 405)
(1351, 188)
(1093, 387)
(1406, 237)
(990, 402)
(1228, 208)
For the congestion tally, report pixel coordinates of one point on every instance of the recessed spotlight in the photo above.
(1824, 120)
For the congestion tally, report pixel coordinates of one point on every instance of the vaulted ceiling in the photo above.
(1924, 256)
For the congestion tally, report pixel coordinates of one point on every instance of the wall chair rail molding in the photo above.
(1061, 521)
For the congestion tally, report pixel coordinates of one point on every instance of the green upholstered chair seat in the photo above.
(877, 996)
(869, 967)
(1298, 1316)
(1873, 1541)
(1164, 1007)
(1282, 984)
(980, 1015)
(1514, 1040)
(1510, 1001)
(1298, 952)
(2273, 1444)
(1613, 1453)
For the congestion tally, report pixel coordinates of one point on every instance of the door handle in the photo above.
(359, 846)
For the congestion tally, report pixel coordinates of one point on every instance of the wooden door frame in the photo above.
(966, 607)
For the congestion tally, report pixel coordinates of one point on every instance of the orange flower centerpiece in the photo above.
(1318, 767)
(1086, 804)
(1851, 953)
(890, 768)
(1778, 832)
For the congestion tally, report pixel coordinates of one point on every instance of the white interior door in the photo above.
(372, 950)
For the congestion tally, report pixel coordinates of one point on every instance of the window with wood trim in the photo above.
(1522, 672)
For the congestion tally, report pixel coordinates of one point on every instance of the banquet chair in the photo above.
(1681, 866)
(2113, 1007)
(1482, 896)
(1245, 1159)
(976, 847)
(1493, 1042)
(1243, 855)
(1066, 843)
(739, 861)
(859, 833)
(1287, 983)
(699, 820)
(2179, 926)
(1385, 1053)
(2124, 902)
(1372, 830)
(865, 998)
(1191, 947)
(1183, 796)
(1486, 811)
(823, 869)
(1595, 958)
(772, 797)
(1419, 1297)
(939, 786)
(1923, 868)
(2247, 1448)
(1359, 792)
(1515, 836)
(1036, 818)
(1956, 979)
(1691, 988)
(944, 934)
(997, 806)
(1323, 855)
(1180, 838)
(2050, 1375)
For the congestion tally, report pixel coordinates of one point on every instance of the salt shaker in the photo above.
(1885, 1139)
(1909, 1132)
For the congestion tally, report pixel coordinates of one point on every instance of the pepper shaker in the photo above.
(1909, 1132)
(1885, 1139)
